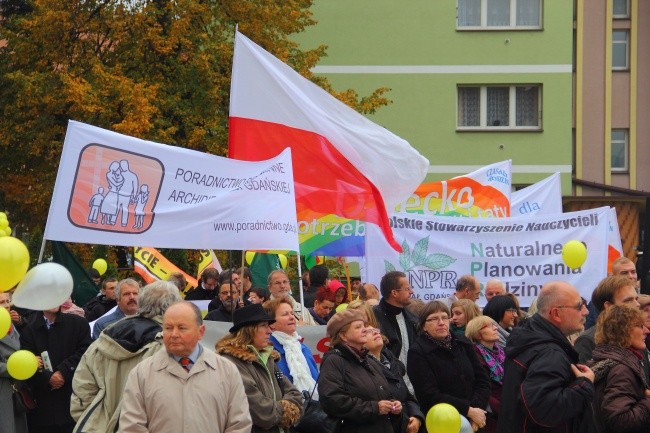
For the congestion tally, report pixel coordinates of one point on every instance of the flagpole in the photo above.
(241, 277)
(40, 254)
(302, 293)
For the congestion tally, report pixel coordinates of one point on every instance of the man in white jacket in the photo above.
(184, 388)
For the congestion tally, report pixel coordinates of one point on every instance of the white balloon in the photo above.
(45, 286)
(465, 425)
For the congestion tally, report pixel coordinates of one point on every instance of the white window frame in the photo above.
(626, 146)
(627, 10)
(513, 18)
(626, 43)
(512, 107)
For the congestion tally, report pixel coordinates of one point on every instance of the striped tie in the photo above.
(185, 363)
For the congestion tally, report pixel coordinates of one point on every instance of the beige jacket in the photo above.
(161, 397)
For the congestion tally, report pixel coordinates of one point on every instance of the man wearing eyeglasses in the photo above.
(544, 387)
(280, 287)
(229, 301)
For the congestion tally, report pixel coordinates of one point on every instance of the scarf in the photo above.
(296, 361)
(494, 359)
(444, 343)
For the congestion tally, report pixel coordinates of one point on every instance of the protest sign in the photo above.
(541, 198)
(524, 253)
(114, 189)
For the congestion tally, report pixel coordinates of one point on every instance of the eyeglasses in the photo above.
(512, 310)
(437, 319)
(280, 283)
(373, 331)
(493, 325)
(579, 307)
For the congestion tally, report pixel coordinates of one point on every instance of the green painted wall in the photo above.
(423, 32)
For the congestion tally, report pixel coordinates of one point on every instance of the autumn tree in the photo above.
(155, 69)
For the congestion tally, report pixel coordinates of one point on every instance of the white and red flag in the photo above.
(345, 166)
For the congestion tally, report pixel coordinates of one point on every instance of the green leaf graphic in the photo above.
(389, 266)
(405, 256)
(419, 255)
(438, 261)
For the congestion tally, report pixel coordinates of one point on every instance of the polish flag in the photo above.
(343, 163)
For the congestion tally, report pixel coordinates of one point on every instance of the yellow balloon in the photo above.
(5, 322)
(8, 231)
(283, 260)
(574, 254)
(100, 265)
(3, 224)
(3, 216)
(250, 255)
(2, 233)
(22, 364)
(14, 261)
(443, 418)
(341, 307)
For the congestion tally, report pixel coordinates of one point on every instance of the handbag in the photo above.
(314, 419)
(22, 398)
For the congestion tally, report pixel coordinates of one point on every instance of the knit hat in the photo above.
(339, 320)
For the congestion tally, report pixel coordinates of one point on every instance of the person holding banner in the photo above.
(444, 367)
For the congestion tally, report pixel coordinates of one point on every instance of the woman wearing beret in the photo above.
(351, 387)
(274, 403)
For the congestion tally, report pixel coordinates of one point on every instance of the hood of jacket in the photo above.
(535, 332)
(126, 338)
(228, 346)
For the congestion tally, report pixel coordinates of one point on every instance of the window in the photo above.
(619, 150)
(619, 50)
(499, 107)
(621, 8)
(499, 14)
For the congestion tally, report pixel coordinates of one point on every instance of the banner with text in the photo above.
(522, 252)
(114, 189)
(484, 193)
(541, 198)
(151, 265)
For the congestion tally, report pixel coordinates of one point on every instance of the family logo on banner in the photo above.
(541, 198)
(484, 193)
(118, 190)
(347, 168)
(524, 253)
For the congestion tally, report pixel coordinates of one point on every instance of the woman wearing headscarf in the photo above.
(351, 386)
(275, 404)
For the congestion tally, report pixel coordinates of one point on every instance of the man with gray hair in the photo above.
(126, 294)
(99, 381)
(544, 387)
(493, 288)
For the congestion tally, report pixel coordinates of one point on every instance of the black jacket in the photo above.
(453, 376)
(219, 315)
(350, 387)
(97, 307)
(394, 372)
(540, 392)
(385, 314)
(66, 341)
(201, 294)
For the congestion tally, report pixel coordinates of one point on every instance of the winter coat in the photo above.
(394, 372)
(350, 387)
(66, 341)
(161, 397)
(540, 391)
(386, 316)
(273, 400)
(453, 376)
(620, 403)
(97, 307)
(9, 422)
(100, 378)
(585, 344)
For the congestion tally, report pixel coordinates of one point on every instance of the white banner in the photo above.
(118, 190)
(541, 198)
(524, 253)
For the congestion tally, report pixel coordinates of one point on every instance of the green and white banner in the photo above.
(523, 252)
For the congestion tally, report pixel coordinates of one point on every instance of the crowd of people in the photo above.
(131, 359)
